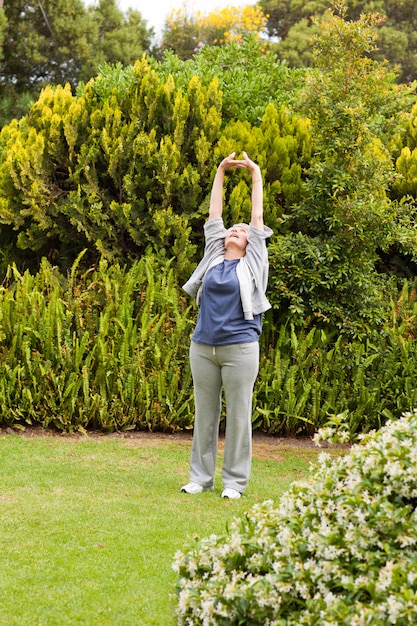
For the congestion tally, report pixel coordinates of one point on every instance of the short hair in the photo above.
(242, 225)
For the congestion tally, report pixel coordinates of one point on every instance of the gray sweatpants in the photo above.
(233, 367)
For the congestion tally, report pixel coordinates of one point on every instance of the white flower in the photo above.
(395, 608)
(339, 526)
(183, 600)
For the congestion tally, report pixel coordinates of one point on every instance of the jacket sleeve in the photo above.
(214, 234)
(257, 256)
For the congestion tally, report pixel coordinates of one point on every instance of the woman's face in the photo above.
(237, 236)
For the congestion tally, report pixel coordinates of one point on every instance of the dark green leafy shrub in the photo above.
(248, 78)
(317, 378)
(108, 348)
(102, 350)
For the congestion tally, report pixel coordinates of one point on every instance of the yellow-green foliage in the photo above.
(128, 163)
(406, 164)
(406, 184)
(280, 144)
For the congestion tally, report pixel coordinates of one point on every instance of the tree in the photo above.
(60, 41)
(326, 268)
(46, 42)
(186, 32)
(3, 23)
(289, 22)
(118, 38)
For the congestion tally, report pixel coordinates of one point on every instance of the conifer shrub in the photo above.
(126, 164)
(339, 548)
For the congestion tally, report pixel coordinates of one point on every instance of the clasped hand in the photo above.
(230, 163)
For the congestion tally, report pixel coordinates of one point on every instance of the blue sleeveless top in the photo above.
(220, 319)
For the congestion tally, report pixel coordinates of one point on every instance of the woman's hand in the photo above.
(251, 165)
(230, 163)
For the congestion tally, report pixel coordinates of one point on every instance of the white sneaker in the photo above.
(231, 493)
(192, 488)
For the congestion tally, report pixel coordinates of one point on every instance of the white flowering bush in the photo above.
(338, 549)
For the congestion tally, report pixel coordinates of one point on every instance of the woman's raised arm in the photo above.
(216, 198)
(257, 217)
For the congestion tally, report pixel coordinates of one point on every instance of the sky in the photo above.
(155, 12)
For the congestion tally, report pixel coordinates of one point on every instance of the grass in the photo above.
(89, 526)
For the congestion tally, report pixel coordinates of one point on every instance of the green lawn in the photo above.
(89, 526)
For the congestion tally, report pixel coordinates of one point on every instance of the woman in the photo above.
(229, 286)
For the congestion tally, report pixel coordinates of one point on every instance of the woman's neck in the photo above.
(232, 255)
